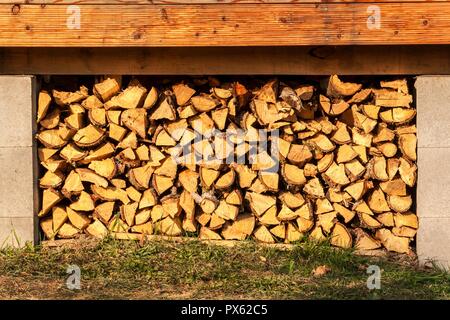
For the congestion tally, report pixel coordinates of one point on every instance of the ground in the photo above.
(113, 269)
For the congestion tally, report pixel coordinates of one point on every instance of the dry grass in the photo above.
(115, 269)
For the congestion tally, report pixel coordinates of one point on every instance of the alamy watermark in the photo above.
(374, 279)
(374, 19)
(73, 281)
(74, 19)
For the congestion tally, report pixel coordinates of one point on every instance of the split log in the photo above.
(97, 229)
(89, 136)
(182, 93)
(341, 237)
(364, 241)
(337, 88)
(106, 89)
(392, 242)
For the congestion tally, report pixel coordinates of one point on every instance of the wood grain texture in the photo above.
(224, 25)
(346, 60)
(143, 2)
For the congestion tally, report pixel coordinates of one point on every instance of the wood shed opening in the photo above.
(278, 159)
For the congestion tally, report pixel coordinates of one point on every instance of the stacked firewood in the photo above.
(274, 161)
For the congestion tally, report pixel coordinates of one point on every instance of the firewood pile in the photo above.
(274, 161)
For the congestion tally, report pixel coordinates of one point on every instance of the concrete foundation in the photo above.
(18, 223)
(433, 186)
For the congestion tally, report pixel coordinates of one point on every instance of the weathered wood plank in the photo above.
(224, 25)
(346, 60)
(146, 2)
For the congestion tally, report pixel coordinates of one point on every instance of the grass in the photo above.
(114, 269)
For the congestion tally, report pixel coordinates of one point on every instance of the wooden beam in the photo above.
(348, 60)
(146, 2)
(224, 25)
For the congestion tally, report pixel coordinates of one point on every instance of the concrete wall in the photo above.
(17, 149)
(433, 187)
